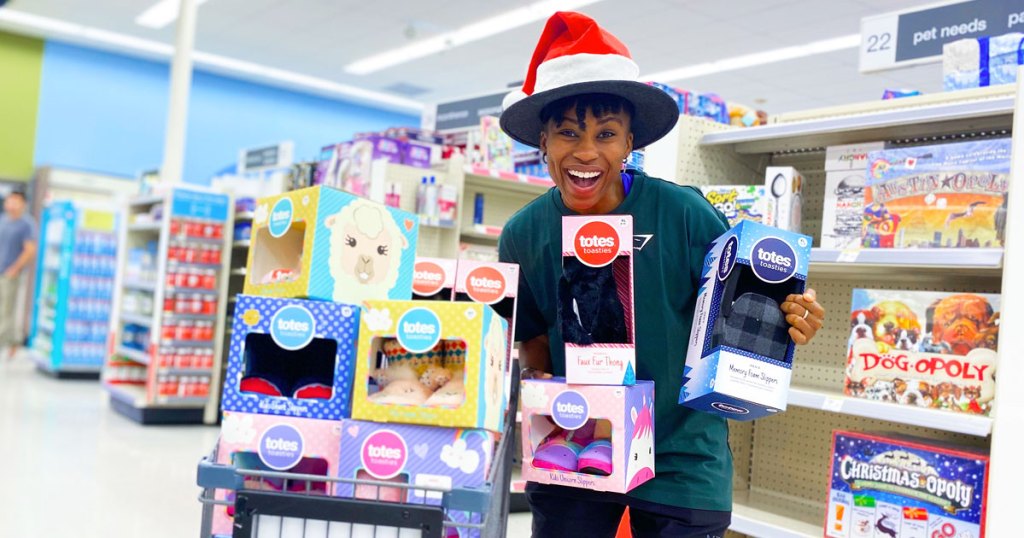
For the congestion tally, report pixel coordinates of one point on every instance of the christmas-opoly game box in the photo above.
(923, 348)
(949, 195)
(291, 357)
(271, 443)
(595, 300)
(737, 202)
(325, 244)
(595, 437)
(896, 487)
(436, 458)
(434, 279)
(843, 213)
(740, 355)
(432, 363)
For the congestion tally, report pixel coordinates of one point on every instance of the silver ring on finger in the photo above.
(807, 312)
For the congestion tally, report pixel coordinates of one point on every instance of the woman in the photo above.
(582, 107)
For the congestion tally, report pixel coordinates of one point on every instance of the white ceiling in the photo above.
(319, 37)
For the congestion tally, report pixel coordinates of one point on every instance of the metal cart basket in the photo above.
(297, 507)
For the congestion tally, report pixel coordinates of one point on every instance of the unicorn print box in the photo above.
(740, 355)
(291, 357)
(325, 244)
(594, 437)
(434, 458)
(431, 362)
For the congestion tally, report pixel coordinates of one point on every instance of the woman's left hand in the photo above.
(804, 315)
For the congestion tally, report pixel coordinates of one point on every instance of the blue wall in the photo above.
(107, 113)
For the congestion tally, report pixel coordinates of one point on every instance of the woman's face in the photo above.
(585, 159)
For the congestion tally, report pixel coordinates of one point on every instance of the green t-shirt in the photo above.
(672, 227)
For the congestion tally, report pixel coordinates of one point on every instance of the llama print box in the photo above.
(903, 487)
(937, 350)
(595, 300)
(432, 363)
(280, 444)
(437, 460)
(597, 437)
(325, 244)
(740, 355)
(291, 357)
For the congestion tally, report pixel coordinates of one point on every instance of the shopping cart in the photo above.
(298, 508)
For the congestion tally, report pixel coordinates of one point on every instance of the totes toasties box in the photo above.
(924, 349)
(740, 354)
(595, 300)
(491, 283)
(434, 279)
(949, 195)
(884, 486)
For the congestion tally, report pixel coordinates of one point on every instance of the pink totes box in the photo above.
(434, 279)
(588, 436)
(595, 300)
(491, 283)
(272, 443)
(436, 459)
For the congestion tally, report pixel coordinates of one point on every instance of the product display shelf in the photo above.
(73, 289)
(169, 268)
(485, 179)
(239, 258)
(782, 463)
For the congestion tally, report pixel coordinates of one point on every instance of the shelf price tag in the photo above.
(832, 404)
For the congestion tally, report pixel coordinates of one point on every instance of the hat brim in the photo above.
(655, 112)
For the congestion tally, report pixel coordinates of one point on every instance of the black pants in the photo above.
(560, 511)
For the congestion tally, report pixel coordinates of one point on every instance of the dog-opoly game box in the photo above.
(598, 437)
(949, 195)
(270, 443)
(425, 456)
(740, 354)
(325, 244)
(595, 300)
(434, 279)
(737, 202)
(784, 186)
(843, 212)
(899, 487)
(491, 283)
(923, 348)
(432, 363)
(291, 357)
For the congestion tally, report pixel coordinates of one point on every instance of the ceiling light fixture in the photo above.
(161, 13)
(851, 41)
(466, 34)
(46, 27)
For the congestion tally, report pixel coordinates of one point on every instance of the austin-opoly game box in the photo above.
(923, 348)
(899, 487)
(949, 195)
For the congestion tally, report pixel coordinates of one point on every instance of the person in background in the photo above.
(17, 250)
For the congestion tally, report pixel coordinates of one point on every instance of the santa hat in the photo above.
(575, 56)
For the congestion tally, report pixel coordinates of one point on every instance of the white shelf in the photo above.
(146, 200)
(138, 319)
(175, 401)
(238, 272)
(244, 215)
(177, 316)
(133, 354)
(192, 265)
(137, 285)
(479, 236)
(482, 179)
(244, 243)
(134, 395)
(947, 261)
(937, 419)
(907, 121)
(186, 343)
(187, 371)
(145, 227)
(749, 519)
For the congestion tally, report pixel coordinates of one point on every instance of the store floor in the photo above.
(76, 468)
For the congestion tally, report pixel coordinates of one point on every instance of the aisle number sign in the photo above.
(916, 36)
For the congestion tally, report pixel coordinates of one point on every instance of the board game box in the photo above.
(843, 211)
(949, 195)
(737, 202)
(899, 487)
(923, 348)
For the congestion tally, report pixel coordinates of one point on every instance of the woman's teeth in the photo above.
(583, 175)
(583, 179)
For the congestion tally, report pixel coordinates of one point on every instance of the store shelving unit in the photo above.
(236, 283)
(73, 289)
(782, 463)
(169, 307)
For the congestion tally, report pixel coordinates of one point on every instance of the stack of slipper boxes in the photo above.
(600, 380)
(328, 287)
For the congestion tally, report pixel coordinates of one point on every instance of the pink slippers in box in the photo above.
(575, 451)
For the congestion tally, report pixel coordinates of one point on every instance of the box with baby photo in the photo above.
(432, 363)
(325, 244)
(740, 355)
(923, 348)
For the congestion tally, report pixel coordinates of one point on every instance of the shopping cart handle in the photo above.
(217, 475)
(468, 499)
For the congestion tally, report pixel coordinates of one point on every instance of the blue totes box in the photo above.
(291, 358)
(322, 243)
(740, 355)
(902, 487)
